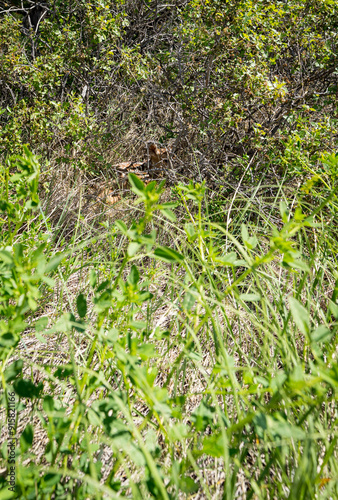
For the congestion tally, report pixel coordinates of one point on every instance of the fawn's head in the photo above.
(157, 156)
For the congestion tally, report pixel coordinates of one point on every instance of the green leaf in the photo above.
(121, 226)
(50, 479)
(146, 351)
(9, 340)
(65, 323)
(190, 231)
(195, 356)
(38, 252)
(94, 418)
(150, 186)
(92, 278)
(26, 389)
(102, 286)
(250, 297)
(41, 338)
(214, 445)
(203, 416)
(13, 370)
(249, 242)
(41, 324)
(168, 254)
(188, 301)
(111, 335)
(300, 315)
(321, 334)
(284, 211)
(290, 261)
(136, 184)
(81, 304)
(6, 494)
(178, 432)
(169, 204)
(133, 248)
(53, 263)
(169, 214)
(138, 325)
(63, 372)
(26, 438)
(245, 233)
(228, 259)
(188, 485)
(143, 296)
(48, 404)
(277, 427)
(134, 276)
(49, 281)
(334, 309)
(6, 257)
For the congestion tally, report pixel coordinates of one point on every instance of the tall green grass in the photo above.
(172, 358)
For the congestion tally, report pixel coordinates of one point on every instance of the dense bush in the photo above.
(220, 79)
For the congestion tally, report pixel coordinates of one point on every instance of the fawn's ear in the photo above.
(152, 146)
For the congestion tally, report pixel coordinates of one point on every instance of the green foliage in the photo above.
(191, 350)
(23, 264)
(128, 397)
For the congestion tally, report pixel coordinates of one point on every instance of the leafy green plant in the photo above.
(236, 382)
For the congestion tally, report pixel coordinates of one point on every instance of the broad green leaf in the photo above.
(334, 309)
(250, 297)
(94, 418)
(9, 339)
(228, 259)
(134, 276)
(214, 445)
(169, 214)
(249, 242)
(26, 388)
(92, 278)
(138, 325)
(6, 257)
(136, 184)
(13, 370)
(53, 263)
(188, 301)
(50, 479)
(7, 494)
(26, 438)
(203, 416)
(284, 211)
(121, 226)
(81, 305)
(190, 231)
(277, 427)
(300, 315)
(41, 324)
(38, 252)
(178, 432)
(188, 485)
(144, 295)
(48, 404)
(133, 248)
(321, 334)
(146, 351)
(150, 186)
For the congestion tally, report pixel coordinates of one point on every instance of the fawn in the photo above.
(146, 170)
